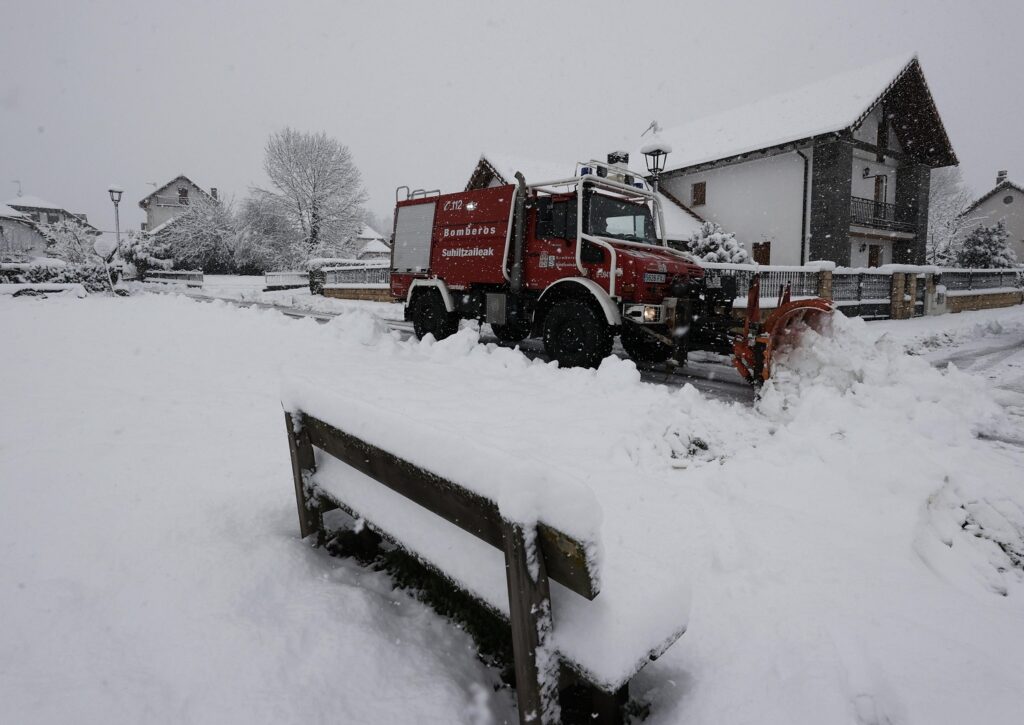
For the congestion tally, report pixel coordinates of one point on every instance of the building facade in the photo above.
(170, 201)
(1005, 202)
(838, 170)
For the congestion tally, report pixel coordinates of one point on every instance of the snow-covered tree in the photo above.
(948, 198)
(316, 188)
(266, 238)
(202, 237)
(712, 244)
(987, 247)
(76, 243)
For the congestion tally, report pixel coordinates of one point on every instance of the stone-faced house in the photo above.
(1004, 202)
(837, 170)
(170, 201)
(497, 170)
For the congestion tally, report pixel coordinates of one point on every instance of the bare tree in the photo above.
(317, 188)
(75, 243)
(947, 201)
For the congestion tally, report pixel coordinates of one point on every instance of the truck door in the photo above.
(551, 248)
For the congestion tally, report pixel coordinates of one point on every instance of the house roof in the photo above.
(7, 212)
(370, 233)
(833, 105)
(34, 202)
(375, 246)
(1003, 186)
(680, 220)
(180, 177)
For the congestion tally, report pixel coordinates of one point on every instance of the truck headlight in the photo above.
(651, 313)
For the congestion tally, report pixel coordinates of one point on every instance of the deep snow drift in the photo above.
(851, 544)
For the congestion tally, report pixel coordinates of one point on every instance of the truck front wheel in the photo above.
(576, 335)
(430, 316)
(511, 333)
(641, 347)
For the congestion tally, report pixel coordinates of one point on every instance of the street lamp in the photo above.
(655, 154)
(115, 196)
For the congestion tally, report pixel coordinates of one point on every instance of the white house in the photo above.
(497, 169)
(20, 239)
(837, 170)
(372, 244)
(1004, 202)
(170, 201)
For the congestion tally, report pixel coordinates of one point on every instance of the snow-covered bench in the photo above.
(515, 563)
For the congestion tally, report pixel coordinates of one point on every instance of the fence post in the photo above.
(529, 600)
(896, 304)
(970, 279)
(303, 465)
(825, 284)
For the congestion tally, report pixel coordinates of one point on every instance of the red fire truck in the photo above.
(576, 261)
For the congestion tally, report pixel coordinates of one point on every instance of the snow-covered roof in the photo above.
(1005, 185)
(33, 202)
(680, 222)
(369, 233)
(160, 227)
(826, 106)
(156, 191)
(7, 212)
(375, 246)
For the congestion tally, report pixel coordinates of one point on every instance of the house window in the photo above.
(183, 195)
(874, 255)
(1008, 199)
(52, 218)
(698, 195)
(763, 253)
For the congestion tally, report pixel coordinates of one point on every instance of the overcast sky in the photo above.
(94, 93)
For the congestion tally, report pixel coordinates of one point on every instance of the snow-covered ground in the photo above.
(852, 543)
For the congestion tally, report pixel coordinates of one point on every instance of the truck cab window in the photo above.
(556, 220)
(619, 219)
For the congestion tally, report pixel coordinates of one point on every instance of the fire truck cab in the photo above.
(575, 261)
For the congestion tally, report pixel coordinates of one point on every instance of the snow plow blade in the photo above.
(754, 349)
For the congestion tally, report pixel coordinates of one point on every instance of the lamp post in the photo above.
(115, 196)
(655, 154)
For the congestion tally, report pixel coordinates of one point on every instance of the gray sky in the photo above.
(94, 93)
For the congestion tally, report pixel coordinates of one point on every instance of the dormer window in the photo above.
(183, 195)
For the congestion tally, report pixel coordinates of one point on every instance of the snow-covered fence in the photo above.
(368, 273)
(959, 280)
(531, 554)
(863, 293)
(285, 280)
(190, 278)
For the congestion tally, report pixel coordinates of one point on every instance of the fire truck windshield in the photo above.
(620, 219)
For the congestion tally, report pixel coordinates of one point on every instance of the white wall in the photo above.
(757, 200)
(865, 188)
(992, 210)
(18, 241)
(860, 258)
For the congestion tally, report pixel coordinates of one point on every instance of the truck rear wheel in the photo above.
(576, 335)
(430, 316)
(513, 333)
(641, 347)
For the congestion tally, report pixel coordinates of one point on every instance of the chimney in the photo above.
(213, 191)
(1000, 177)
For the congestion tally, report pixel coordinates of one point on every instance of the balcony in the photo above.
(878, 215)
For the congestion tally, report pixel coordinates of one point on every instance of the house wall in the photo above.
(865, 188)
(19, 241)
(757, 200)
(165, 206)
(992, 210)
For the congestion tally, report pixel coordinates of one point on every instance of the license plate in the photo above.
(654, 277)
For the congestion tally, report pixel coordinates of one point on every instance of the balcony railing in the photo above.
(877, 214)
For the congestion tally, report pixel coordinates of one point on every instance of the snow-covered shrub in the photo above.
(92, 276)
(713, 244)
(987, 248)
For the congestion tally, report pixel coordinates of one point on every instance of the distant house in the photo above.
(1004, 202)
(170, 201)
(20, 239)
(496, 170)
(20, 220)
(372, 244)
(838, 170)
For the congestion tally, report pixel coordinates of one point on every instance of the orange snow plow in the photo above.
(753, 350)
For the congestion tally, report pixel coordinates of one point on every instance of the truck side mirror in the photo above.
(545, 219)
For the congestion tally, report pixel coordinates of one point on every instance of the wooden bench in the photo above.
(532, 557)
(191, 279)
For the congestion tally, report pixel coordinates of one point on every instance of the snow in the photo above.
(839, 549)
(825, 106)
(369, 233)
(42, 287)
(375, 246)
(32, 202)
(7, 212)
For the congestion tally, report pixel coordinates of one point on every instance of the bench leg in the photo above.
(536, 665)
(303, 465)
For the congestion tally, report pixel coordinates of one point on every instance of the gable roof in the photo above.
(180, 177)
(7, 212)
(370, 233)
(375, 246)
(830, 106)
(680, 220)
(1003, 186)
(34, 202)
